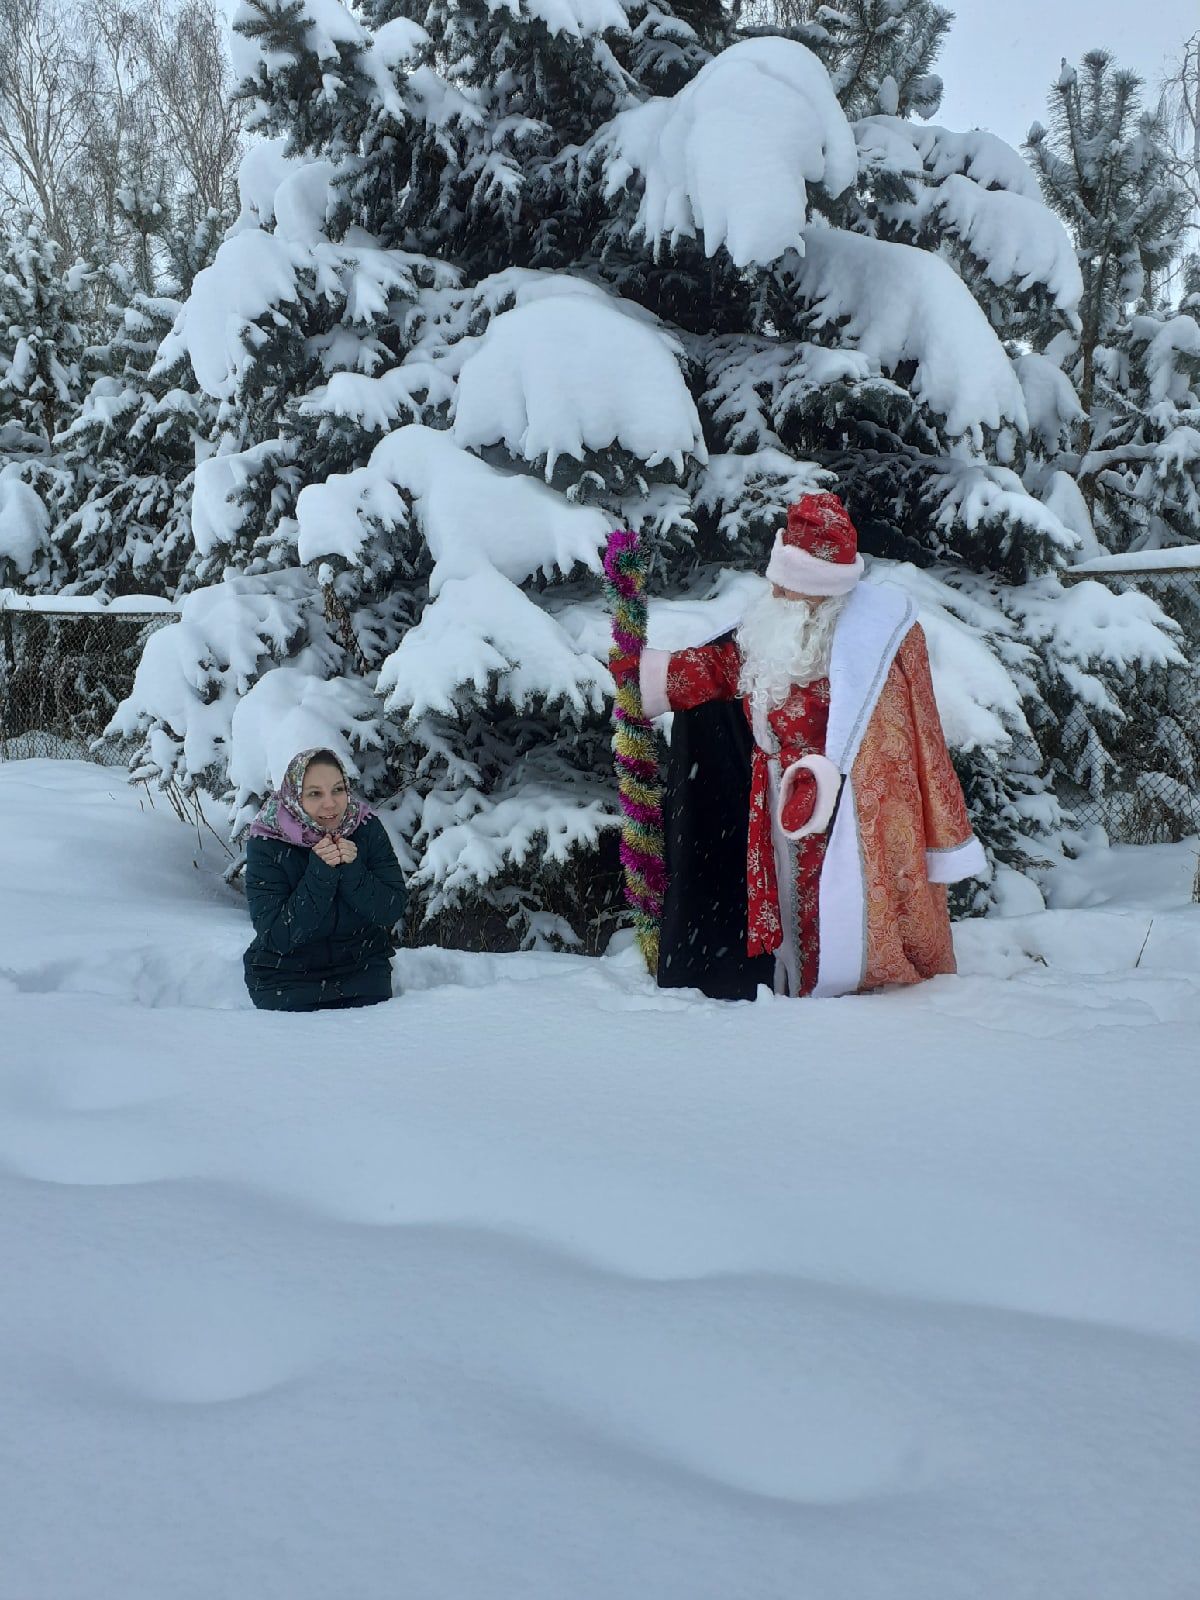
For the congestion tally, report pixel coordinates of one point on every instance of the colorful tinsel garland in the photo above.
(634, 748)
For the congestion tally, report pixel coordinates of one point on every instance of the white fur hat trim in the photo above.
(796, 570)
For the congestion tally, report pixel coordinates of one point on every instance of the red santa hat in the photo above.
(817, 553)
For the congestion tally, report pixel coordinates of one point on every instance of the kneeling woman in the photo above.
(325, 891)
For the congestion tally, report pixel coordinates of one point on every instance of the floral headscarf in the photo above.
(283, 817)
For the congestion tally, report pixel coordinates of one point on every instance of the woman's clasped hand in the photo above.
(336, 852)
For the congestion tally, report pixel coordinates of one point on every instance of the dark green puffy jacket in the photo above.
(322, 933)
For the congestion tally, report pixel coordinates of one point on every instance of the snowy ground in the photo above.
(538, 1284)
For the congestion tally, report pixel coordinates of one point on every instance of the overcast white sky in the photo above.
(1002, 55)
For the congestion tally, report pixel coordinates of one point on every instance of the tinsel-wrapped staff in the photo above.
(636, 756)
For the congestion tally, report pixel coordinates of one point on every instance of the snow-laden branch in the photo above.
(469, 840)
(1017, 240)
(289, 709)
(918, 149)
(480, 633)
(192, 675)
(568, 374)
(730, 157)
(473, 517)
(24, 521)
(896, 304)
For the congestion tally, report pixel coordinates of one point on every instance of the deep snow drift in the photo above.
(539, 1284)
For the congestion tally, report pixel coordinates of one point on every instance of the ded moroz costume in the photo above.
(852, 821)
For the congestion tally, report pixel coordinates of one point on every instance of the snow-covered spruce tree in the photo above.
(894, 349)
(123, 519)
(1132, 458)
(42, 371)
(966, 516)
(1145, 458)
(1019, 265)
(1105, 169)
(436, 565)
(504, 278)
(123, 511)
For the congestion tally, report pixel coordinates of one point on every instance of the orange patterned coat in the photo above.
(910, 807)
(901, 831)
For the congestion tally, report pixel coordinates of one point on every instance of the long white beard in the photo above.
(785, 644)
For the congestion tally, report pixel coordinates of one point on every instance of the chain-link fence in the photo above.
(65, 666)
(1152, 793)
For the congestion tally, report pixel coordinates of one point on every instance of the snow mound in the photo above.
(1114, 945)
(528, 1227)
(730, 157)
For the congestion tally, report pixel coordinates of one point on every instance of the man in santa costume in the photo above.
(852, 821)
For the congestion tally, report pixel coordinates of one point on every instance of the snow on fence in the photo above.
(66, 662)
(1153, 795)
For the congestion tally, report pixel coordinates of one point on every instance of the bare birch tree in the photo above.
(116, 122)
(191, 85)
(1180, 112)
(47, 92)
